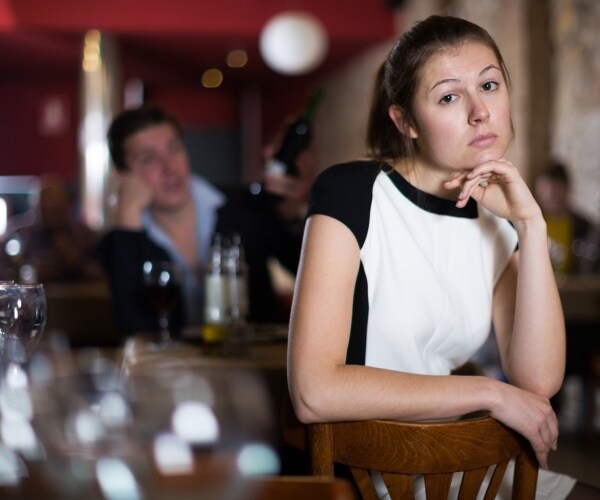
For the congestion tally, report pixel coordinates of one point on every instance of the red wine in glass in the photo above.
(162, 281)
(164, 296)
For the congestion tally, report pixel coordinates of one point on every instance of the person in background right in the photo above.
(573, 239)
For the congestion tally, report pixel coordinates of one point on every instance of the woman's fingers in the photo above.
(499, 167)
(542, 459)
(533, 417)
(473, 182)
(475, 187)
(546, 439)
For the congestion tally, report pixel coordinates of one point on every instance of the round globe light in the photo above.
(293, 43)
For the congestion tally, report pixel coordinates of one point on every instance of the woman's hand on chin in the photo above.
(499, 187)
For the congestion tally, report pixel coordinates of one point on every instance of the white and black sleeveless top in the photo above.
(423, 294)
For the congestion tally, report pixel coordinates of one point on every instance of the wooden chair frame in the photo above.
(434, 449)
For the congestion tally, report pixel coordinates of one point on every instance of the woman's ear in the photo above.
(398, 116)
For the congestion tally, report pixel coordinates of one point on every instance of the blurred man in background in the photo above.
(165, 212)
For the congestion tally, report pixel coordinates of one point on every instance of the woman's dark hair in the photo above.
(131, 121)
(397, 78)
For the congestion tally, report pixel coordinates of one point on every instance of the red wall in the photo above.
(31, 144)
(193, 106)
(26, 148)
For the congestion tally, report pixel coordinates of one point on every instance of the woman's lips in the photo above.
(483, 140)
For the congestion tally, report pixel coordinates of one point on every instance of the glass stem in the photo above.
(163, 322)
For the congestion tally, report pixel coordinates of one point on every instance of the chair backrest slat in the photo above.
(496, 480)
(471, 483)
(364, 483)
(399, 485)
(437, 486)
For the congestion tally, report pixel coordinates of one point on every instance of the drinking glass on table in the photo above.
(8, 301)
(29, 313)
(162, 281)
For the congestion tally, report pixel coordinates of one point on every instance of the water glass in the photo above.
(29, 312)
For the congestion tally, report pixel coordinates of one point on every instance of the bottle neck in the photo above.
(312, 104)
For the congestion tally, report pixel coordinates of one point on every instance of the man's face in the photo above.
(158, 157)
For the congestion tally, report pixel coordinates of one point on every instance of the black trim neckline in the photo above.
(430, 202)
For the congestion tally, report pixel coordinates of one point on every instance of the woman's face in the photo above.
(461, 109)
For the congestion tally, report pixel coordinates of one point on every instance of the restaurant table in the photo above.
(257, 353)
(258, 346)
(260, 350)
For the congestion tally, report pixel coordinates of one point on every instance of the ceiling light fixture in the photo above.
(293, 43)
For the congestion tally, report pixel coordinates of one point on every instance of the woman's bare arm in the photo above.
(527, 312)
(528, 316)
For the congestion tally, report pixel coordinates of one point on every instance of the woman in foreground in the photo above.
(409, 258)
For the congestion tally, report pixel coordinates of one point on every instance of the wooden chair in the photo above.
(434, 449)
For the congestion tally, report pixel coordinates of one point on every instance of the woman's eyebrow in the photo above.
(487, 68)
(445, 80)
(448, 80)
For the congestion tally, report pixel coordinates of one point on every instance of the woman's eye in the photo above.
(488, 86)
(447, 99)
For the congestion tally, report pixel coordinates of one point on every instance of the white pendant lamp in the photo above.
(293, 43)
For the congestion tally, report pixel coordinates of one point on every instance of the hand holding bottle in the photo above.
(297, 139)
(292, 191)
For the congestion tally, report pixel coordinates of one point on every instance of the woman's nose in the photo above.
(479, 111)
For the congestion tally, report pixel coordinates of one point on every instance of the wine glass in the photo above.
(29, 310)
(162, 281)
(8, 300)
